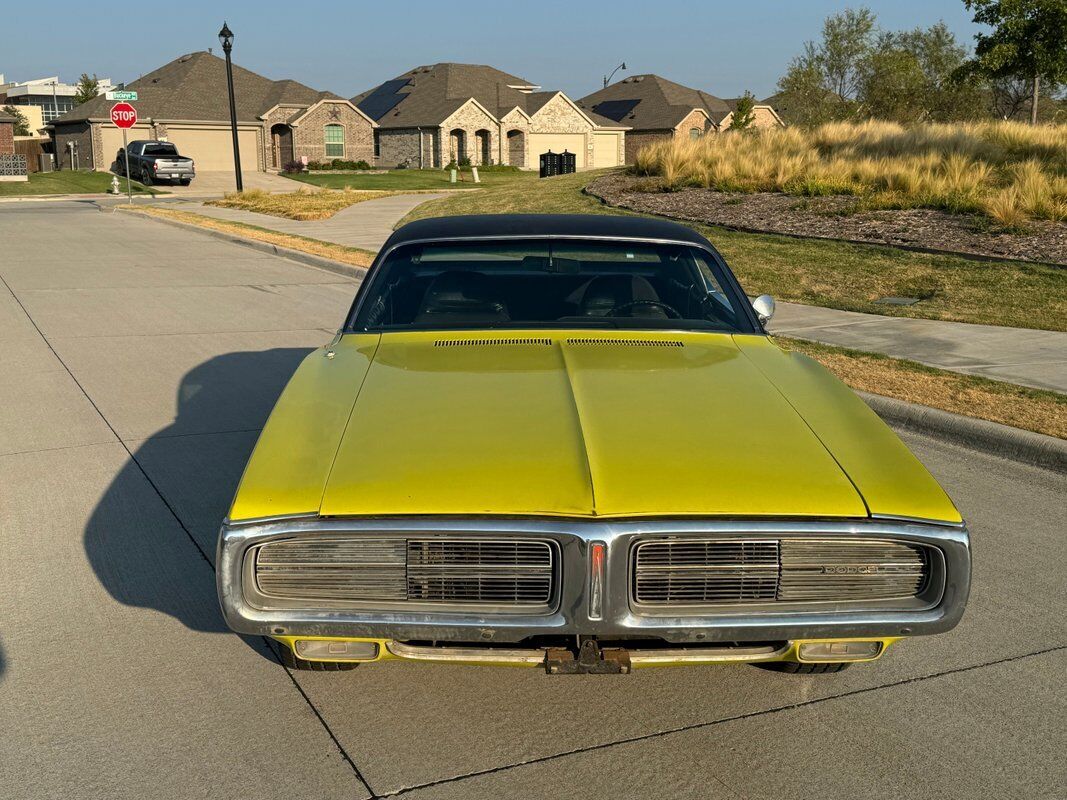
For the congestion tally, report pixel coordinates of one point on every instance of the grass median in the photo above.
(69, 182)
(417, 179)
(968, 395)
(304, 204)
(352, 256)
(824, 272)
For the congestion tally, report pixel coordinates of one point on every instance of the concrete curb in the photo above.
(319, 262)
(1026, 447)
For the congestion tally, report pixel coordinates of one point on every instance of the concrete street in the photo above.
(139, 362)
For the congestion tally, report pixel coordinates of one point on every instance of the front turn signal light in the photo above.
(839, 651)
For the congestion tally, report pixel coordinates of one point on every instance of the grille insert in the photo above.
(706, 572)
(486, 572)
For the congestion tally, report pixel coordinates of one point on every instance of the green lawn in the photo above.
(68, 182)
(820, 272)
(415, 179)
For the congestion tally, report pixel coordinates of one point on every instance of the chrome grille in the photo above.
(703, 572)
(496, 572)
(850, 570)
(508, 573)
(708, 572)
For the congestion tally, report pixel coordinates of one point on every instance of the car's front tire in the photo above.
(796, 668)
(290, 660)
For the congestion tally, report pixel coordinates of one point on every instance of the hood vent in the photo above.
(628, 342)
(490, 342)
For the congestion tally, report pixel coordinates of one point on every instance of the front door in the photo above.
(281, 139)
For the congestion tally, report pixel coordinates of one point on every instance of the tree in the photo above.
(88, 88)
(847, 39)
(1029, 40)
(22, 125)
(909, 76)
(822, 82)
(744, 114)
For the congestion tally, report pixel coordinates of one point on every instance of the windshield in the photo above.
(160, 150)
(550, 283)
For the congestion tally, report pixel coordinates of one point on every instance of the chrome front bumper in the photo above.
(573, 613)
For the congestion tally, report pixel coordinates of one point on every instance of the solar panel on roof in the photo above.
(384, 99)
(615, 109)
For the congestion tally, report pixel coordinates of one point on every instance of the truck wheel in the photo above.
(290, 660)
(146, 177)
(796, 668)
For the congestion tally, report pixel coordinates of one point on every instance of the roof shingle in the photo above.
(651, 102)
(193, 87)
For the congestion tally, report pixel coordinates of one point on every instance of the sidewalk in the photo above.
(1018, 355)
(366, 225)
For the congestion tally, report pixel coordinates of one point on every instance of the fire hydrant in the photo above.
(114, 185)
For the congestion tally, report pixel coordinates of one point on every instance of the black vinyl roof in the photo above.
(578, 226)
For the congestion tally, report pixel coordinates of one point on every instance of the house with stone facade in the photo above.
(657, 109)
(443, 113)
(186, 102)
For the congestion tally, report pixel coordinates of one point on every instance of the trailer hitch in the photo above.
(591, 660)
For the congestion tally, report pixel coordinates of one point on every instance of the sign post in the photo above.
(124, 116)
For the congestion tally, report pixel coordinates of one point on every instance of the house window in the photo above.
(695, 133)
(335, 141)
(377, 145)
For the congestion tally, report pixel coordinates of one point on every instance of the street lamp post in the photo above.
(607, 78)
(226, 38)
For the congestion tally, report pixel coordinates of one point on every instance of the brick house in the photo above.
(433, 115)
(656, 109)
(186, 102)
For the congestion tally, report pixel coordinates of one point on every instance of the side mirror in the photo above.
(764, 306)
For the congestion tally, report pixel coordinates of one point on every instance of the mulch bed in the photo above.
(828, 218)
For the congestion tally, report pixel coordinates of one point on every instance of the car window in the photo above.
(160, 149)
(550, 283)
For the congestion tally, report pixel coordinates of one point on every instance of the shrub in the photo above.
(958, 168)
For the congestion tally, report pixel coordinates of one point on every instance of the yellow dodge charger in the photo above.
(567, 442)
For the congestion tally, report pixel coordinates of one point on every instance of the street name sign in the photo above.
(127, 96)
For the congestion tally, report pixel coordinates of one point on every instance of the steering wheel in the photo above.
(671, 311)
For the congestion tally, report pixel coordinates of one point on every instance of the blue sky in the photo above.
(345, 47)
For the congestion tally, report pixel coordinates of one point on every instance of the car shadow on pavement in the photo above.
(151, 538)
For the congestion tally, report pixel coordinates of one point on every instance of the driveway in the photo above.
(140, 361)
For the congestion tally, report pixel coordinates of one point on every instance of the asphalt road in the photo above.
(138, 362)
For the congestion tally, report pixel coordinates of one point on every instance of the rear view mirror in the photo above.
(764, 307)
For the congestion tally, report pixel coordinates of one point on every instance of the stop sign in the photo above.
(123, 115)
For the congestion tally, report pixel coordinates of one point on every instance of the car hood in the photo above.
(615, 424)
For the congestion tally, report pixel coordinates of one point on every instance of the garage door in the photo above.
(212, 148)
(111, 139)
(606, 149)
(557, 143)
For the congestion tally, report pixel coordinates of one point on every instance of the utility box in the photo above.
(46, 162)
(550, 164)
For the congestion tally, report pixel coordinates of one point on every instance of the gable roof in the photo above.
(427, 95)
(193, 87)
(651, 102)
